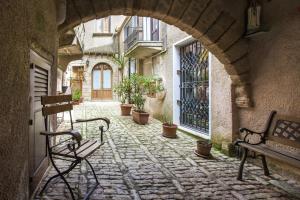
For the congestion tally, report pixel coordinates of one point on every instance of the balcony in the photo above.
(137, 47)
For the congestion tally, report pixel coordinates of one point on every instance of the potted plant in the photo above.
(138, 114)
(121, 60)
(123, 91)
(154, 88)
(76, 95)
(169, 128)
(203, 148)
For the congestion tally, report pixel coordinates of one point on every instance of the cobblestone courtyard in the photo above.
(136, 162)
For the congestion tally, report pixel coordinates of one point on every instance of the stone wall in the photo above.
(222, 106)
(275, 71)
(24, 25)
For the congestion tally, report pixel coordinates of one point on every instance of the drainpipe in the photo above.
(61, 10)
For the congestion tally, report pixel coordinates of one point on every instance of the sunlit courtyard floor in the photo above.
(136, 162)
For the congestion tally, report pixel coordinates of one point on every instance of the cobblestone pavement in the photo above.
(136, 162)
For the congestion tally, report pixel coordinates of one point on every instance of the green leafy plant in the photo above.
(153, 85)
(139, 101)
(76, 95)
(118, 89)
(123, 90)
(138, 90)
(121, 60)
(167, 120)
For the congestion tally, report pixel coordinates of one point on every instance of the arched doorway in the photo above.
(102, 82)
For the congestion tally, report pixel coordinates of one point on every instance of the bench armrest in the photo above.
(249, 133)
(75, 134)
(106, 120)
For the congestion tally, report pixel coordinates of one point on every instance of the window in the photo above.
(132, 66)
(96, 79)
(154, 29)
(103, 25)
(106, 79)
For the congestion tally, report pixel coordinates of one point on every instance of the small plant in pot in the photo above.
(203, 148)
(139, 115)
(154, 88)
(76, 96)
(123, 91)
(169, 128)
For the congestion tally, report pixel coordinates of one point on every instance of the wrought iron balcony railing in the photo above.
(136, 34)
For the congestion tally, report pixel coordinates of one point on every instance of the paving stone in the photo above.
(136, 162)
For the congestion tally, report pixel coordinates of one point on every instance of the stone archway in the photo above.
(218, 24)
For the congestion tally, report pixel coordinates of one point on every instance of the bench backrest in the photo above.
(285, 130)
(56, 104)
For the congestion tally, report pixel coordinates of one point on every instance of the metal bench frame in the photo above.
(280, 129)
(72, 148)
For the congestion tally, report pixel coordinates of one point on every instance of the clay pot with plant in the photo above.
(203, 148)
(169, 128)
(123, 91)
(154, 88)
(76, 96)
(139, 115)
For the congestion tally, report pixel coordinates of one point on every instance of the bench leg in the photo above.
(61, 175)
(265, 166)
(92, 170)
(240, 174)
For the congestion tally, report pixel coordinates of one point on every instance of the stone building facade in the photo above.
(99, 44)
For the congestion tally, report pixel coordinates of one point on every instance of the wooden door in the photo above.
(39, 86)
(102, 82)
(77, 78)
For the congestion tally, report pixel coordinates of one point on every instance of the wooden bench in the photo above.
(281, 130)
(72, 148)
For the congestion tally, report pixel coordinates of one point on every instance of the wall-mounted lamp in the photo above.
(253, 17)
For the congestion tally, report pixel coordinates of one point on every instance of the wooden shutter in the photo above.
(39, 86)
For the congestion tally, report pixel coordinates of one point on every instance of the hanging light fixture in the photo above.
(253, 17)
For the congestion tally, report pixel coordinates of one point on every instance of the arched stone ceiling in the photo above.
(218, 24)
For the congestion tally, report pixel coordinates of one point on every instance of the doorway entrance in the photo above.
(102, 82)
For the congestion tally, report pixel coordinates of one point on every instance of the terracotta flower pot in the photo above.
(81, 100)
(140, 117)
(203, 148)
(75, 102)
(169, 131)
(125, 109)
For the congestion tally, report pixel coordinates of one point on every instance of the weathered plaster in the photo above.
(275, 71)
(22, 23)
(222, 107)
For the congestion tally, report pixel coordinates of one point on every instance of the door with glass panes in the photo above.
(102, 82)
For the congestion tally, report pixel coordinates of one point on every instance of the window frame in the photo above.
(104, 26)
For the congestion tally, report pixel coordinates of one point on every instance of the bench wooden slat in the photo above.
(87, 152)
(50, 110)
(64, 148)
(268, 151)
(56, 99)
(85, 144)
(84, 151)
